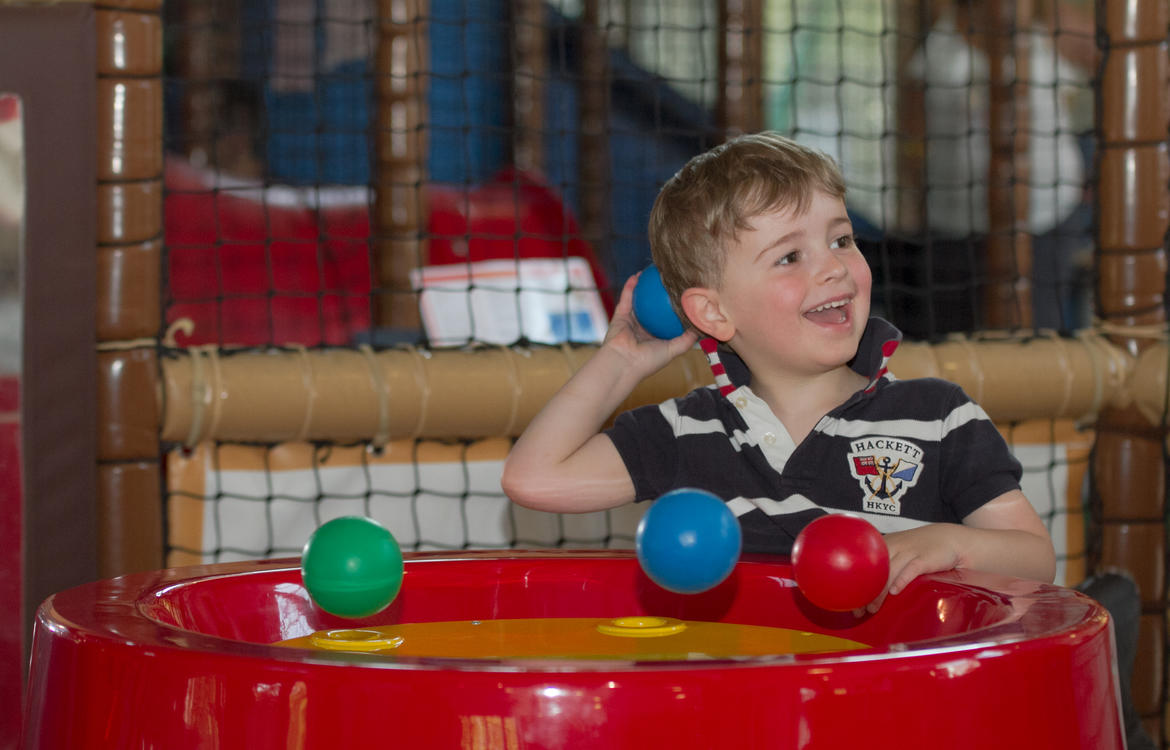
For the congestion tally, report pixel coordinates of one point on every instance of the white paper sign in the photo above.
(546, 300)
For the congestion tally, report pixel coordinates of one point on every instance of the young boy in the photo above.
(756, 251)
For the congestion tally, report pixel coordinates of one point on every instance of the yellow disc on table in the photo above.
(353, 640)
(638, 638)
(642, 626)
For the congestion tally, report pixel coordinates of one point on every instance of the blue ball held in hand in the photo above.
(688, 541)
(652, 306)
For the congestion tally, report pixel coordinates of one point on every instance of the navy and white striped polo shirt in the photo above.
(899, 453)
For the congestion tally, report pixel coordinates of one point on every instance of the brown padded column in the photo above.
(1128, 500)
(129, 245)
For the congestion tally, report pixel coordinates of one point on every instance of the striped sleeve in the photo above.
(679, 443)
(645, 441)
(977, 464)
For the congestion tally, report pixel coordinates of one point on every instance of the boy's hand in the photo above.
(564, 462)
(644, 352)
(1004, 536)
(926, 549)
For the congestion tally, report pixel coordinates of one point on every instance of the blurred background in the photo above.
(346, 248)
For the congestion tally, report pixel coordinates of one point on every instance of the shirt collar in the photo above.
(878, 343)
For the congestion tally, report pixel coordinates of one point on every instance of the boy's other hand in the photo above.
(1005, 536)
(915, 552)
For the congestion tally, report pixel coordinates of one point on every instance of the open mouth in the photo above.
(836, 311)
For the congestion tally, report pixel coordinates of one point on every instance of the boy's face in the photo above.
(796, 290)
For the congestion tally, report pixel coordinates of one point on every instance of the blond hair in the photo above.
(716, 194)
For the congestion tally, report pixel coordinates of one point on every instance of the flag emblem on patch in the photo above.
(885, 468)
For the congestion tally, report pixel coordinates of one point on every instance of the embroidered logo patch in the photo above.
(885, 468)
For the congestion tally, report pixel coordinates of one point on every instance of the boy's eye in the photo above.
(788, 258)
(843, 241)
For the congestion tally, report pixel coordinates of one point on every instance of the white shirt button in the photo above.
(770, 438)
(741, 402)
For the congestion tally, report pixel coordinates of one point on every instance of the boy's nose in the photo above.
(832, 267)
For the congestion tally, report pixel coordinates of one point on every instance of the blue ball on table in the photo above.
(652, 306)
(688, 541)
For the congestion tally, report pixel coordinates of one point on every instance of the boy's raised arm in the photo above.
(563, 462)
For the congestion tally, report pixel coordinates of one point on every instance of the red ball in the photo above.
(840, 562)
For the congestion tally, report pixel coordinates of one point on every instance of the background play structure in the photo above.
(278, 184)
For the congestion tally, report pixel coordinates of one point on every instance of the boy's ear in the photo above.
(702, 308)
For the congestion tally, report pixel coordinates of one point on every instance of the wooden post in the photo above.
(593, 154)
(1008, 296)
(203, 56)
(398, 221)
(740, 108)
(910, 208)
(529, 76)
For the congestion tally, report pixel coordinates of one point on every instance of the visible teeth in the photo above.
(830, 305)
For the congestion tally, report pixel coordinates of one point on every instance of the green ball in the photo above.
(352, 567)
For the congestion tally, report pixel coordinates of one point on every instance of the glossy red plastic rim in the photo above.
(183, 658)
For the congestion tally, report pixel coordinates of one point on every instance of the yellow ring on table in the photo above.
(353, 640)
(642, 626)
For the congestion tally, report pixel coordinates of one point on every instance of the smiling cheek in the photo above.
(861, 271)
(864, 280)
(789, 300)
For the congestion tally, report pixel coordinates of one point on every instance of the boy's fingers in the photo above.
(911, 570)
(876, 604)
(626, 298)
(899, 564)
(683, 341)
